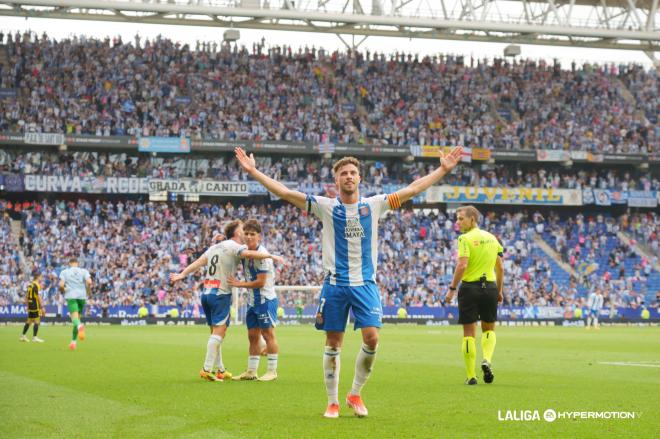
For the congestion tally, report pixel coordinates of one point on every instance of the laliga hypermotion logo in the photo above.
(551, 415)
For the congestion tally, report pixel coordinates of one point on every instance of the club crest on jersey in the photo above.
(364, 211)
(353, 228)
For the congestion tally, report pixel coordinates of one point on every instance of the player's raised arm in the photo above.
(447, 163)
(199, 263)
(273, 186)
(255, 254)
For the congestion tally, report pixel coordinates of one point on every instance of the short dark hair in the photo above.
(230, 228)
(252, 225)
(73, 260)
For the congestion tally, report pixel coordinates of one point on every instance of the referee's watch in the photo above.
(452, 288)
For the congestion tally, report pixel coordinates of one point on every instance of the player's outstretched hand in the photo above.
(280, 260)
(449, 161)
(247, 163)
(175, 277)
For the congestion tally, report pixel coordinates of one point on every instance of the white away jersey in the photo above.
(75, 279)
(223, 259)
(349, 237)
(251, 268)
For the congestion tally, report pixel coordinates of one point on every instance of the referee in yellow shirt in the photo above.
(481, 274)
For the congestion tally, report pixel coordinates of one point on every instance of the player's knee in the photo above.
(371, 340)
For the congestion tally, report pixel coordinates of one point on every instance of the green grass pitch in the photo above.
(132, 382)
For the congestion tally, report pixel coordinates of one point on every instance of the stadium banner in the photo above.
(511, 155)
(13, 183)
(88, 185)
(373, 150)
(87, 140)
(224, 145)
(602, 197)
(624, 158)
(499, 195)
(437, 151)
(510, 313)
(643, 199)
(481, 154)
(164, 144)
(618, 197)
(81, 140)
(551, 155)
(43, 139)
(200, 187)
(585, 156)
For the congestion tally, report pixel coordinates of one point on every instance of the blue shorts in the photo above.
(216, 308)
(336, 301)
(262, 316)
(594, 312)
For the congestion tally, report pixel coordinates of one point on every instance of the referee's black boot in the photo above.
(471, 381)
(488, 373)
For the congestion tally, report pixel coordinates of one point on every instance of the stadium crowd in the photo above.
(159, 87)
(314, 170)
(130, 247)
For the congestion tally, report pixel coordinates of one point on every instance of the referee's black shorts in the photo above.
(476, 302)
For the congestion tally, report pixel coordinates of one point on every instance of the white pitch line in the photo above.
(627, 363)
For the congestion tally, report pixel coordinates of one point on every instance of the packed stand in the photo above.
(160, 87)
(131, 247)
(311, 172)
(590, 245)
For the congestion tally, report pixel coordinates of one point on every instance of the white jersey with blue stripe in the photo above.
(595, 301)
(222, 261)
(253, 267)
(349, 237)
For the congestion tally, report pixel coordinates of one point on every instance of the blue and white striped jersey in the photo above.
(350, 237)
(251, 268)
(595, 301)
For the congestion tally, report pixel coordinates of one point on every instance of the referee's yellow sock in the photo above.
(488, 341)
(469, 349)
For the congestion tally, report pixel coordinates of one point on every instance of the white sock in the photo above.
(595, 322)
(588, 321)
(331, 366)
(363, 365)
(212, 352)
(272, 362)
(218, 360)
(253, 363)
